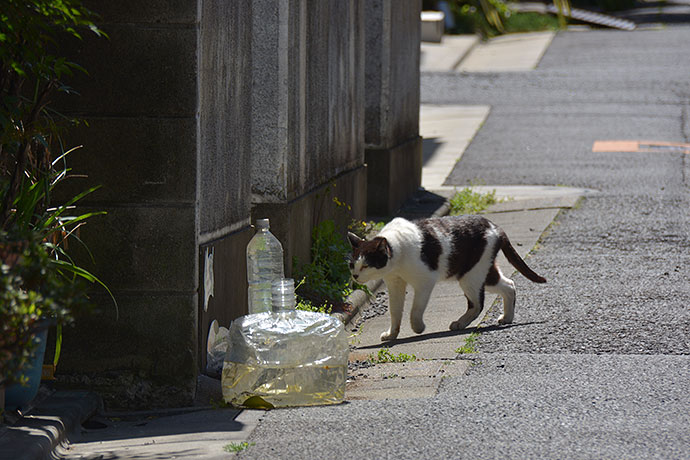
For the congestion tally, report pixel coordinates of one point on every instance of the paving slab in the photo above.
(446, 130)
(524, 217)
(198, 434)
(508, 53)
(410, 380)
(447, 55)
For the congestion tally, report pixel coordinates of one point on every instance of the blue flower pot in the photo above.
(18, 396)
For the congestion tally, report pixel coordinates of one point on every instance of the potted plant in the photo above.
(34, 296)
(40, 284)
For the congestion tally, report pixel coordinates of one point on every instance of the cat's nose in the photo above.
(355, 276)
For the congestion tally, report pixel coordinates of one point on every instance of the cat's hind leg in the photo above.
(498, 283)
(475, 305)
(396, 301)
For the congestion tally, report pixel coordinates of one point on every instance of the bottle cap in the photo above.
(262, 223)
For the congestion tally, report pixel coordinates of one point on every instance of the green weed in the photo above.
(326, 280)
(384, 355)
(308, 305)
(236, 447)
(327, 276)
(470, 345)
(467, 201)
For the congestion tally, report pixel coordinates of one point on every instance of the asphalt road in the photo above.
(597, 364)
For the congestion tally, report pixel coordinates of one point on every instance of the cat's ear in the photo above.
(354, 239)
(384, 247)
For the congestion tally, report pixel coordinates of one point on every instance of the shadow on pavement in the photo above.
(446, 334)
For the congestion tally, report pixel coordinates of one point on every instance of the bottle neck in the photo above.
(283, 295)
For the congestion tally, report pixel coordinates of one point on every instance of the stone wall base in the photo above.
(222, 283)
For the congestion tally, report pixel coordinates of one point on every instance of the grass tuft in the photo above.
(470, 345)
(467, 201)
(236, 447)
(385, 356)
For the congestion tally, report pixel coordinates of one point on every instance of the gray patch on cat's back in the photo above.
(431, 249)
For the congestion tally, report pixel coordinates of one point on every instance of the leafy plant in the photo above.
(38, 277)
(307, 305)
(470, 345)
(467, 201)
(31, 289)
(236, 447)
(326, 279)
(384, 355)
(327, 276)
(494, 17)
(29, 74)
(529, 22)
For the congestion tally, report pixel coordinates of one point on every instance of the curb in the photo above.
(37, 434)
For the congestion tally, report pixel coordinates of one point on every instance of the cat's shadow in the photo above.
(445, 334)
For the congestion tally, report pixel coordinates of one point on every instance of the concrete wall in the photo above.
(393, 145)
(166, 100)
(307, 115)
(223, 173)
(202, 117)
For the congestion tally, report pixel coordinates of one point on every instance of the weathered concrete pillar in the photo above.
(307, 116)
(394, 148)
(224, 162)
(167, 100)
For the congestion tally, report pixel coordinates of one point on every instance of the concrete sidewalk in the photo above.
(465, 53)
(525, 215)
(203, 432)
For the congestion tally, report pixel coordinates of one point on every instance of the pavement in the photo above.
(597, 362)
(595, 365)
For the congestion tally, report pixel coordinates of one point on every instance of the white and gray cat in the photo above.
(422, 252)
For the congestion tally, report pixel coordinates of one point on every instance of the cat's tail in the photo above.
(516, 261)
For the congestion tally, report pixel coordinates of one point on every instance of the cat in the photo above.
(422, 252)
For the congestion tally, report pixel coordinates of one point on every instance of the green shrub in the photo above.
(31, 289)
(327, 277)
(38, 279)
(490, 18)
(326, 281)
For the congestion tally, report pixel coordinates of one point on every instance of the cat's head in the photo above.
(370, 259)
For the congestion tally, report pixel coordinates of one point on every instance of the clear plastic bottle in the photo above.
(264, 265)
(283, 294)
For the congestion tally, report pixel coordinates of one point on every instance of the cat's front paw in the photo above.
(389, 335)
(458, 325)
